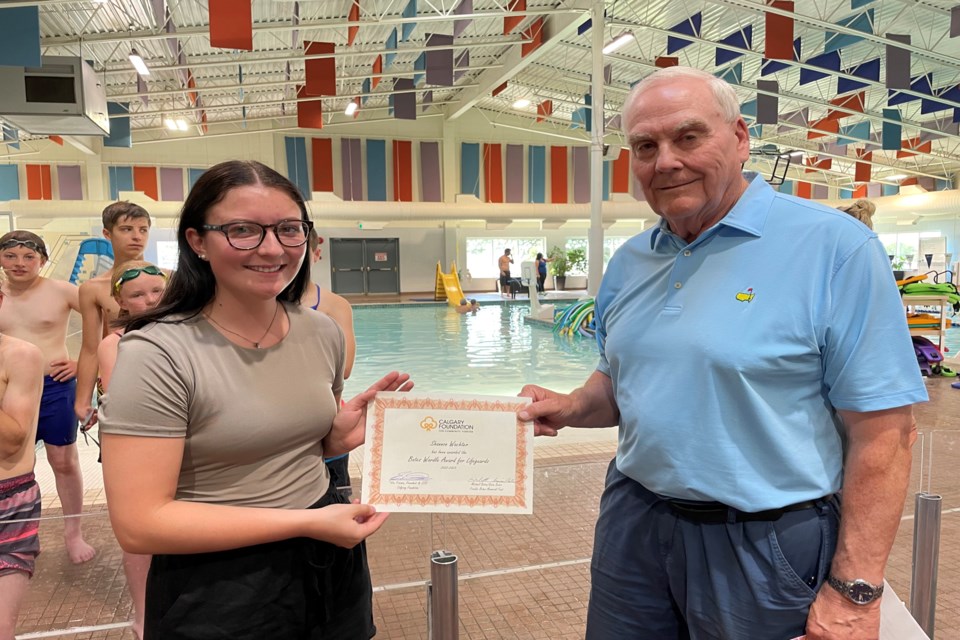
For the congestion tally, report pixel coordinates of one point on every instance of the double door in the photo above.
(365, 265)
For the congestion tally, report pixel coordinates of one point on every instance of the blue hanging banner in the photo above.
(470, 168)
(537, 174)
(862, 22)
(920, 84)
(120, 126)
(409, 11)
(869, 70)
(690, 27)
(829, 61)
(742, 39)
(20, 37)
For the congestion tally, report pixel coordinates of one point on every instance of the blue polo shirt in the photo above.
(729, 354)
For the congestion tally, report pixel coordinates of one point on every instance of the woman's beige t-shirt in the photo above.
(252, 419)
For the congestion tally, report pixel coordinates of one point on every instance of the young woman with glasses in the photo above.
(137, 287)
(216, 423)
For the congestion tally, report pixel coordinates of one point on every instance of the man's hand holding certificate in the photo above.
(448, 454)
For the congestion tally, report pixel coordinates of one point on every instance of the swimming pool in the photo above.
(492, 352)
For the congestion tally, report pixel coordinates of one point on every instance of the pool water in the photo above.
(492, 352)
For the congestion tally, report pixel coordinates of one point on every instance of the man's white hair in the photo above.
(723, 92)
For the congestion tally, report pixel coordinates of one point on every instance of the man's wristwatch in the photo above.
(857, 591)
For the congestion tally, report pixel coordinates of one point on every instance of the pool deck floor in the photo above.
(521, 576)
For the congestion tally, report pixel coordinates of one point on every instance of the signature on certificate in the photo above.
(410, 476)
(491, 484)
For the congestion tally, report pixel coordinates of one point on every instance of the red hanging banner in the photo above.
(231, 24)
(402, 171)
(320, 73)
(558, 175)
(322, 151)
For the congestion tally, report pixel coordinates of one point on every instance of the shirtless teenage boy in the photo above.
(21, 382)
(126, 226)
(36, 310)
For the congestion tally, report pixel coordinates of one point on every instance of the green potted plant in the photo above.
(559, 267)
(897, 265)
(577, 259)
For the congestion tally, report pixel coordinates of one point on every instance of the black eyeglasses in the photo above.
(29, 244)
(130, 274)
(249, 235)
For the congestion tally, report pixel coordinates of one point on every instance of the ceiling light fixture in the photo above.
(351, 108)
(138, 63)
(618, 42)
(182, 124)
(522, 103)
(170, 123)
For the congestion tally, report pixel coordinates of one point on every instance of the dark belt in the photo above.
(717, 512)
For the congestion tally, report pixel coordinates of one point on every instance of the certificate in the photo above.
(445, 453)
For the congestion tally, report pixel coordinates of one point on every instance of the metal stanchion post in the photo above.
(442, 604)
(926, 553)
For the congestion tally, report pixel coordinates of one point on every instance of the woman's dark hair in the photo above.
(539, 256)
(193, 285)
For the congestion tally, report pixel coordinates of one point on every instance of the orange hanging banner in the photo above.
(309, 112)
(862, 171)
(145, 180)
(353, 16)
(322, 151)
(544, 109)
(558, 175)
(377, 70)
(804, 190)
(402, 171)
(512, 22)
(535, 36)
(493, 172)
(320, 73)
(621, 173)
(778, 38)
(231, 24)
(38, 182)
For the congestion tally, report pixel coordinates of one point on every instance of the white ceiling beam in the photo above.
(557, 26)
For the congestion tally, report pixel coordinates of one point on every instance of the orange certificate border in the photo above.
(381, 404)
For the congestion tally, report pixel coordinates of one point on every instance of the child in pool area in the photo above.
(137, 287)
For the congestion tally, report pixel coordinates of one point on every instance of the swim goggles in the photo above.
(131, 274)
(29, 244)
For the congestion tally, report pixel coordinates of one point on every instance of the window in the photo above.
(610, 246)
(577, 243)
(904, 248)
(483, 253)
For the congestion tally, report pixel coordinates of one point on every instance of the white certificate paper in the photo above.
(445, 453)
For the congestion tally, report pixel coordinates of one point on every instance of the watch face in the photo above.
(862, 592)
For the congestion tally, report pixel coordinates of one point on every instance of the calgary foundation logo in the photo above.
(428, 424)
(746, 295)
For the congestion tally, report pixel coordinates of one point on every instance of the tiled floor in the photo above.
(521, 576)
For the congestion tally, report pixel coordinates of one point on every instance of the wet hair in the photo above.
(193, 285)
(120, 268)
(507, 250)
(473, 301)
(124, 316)
(463, 301)
(862, 210)
(724, 94)
(27, 236)
(117, 211)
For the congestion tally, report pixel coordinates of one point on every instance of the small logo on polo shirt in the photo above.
(746, 295)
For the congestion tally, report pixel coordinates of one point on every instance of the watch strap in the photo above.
(858, 591)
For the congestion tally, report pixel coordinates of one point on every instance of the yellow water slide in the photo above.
(448, 286)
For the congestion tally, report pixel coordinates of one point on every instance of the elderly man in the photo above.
(722, 515)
